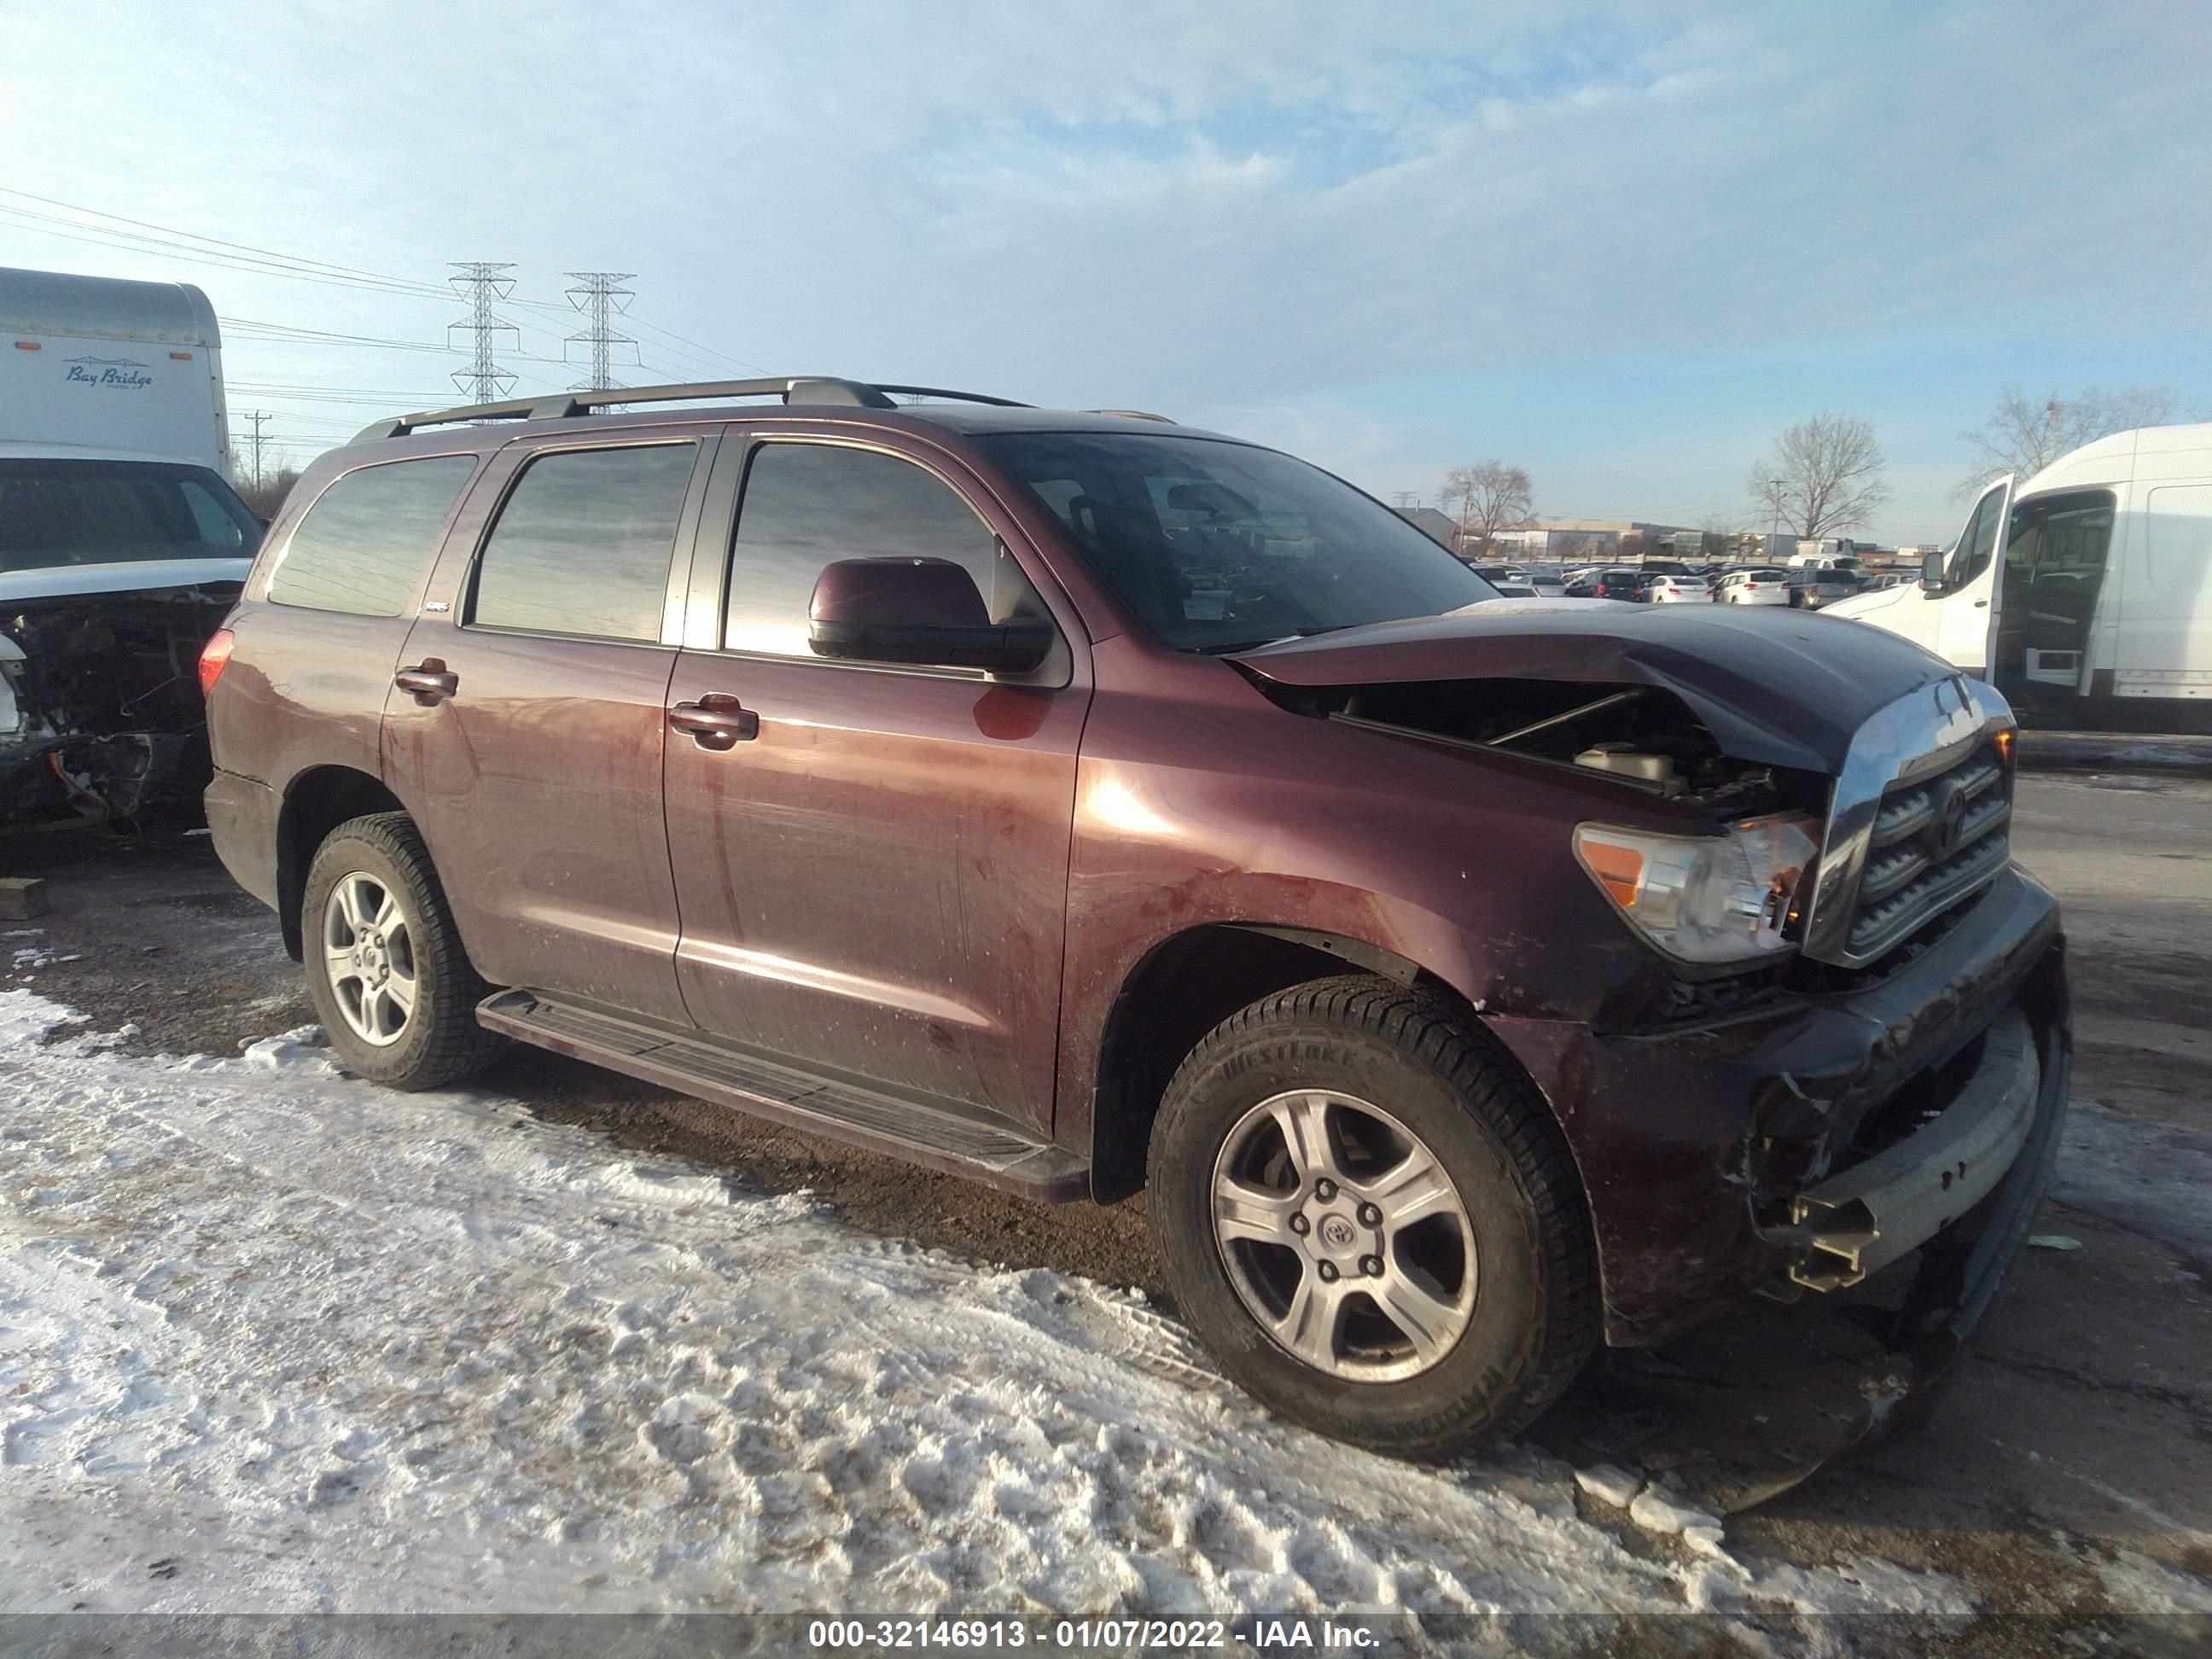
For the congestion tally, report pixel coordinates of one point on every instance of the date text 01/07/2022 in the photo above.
(1078, 1635)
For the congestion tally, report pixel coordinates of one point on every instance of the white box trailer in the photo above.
(92, 365)
(123, 545)
(2087, 591)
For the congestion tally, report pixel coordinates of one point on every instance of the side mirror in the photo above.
(1931, 572)
(923, 612)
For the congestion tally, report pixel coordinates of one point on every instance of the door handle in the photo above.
(1981, 605)
(717, 720)
(427, 682)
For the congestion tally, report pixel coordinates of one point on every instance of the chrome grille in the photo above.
(1933, 842)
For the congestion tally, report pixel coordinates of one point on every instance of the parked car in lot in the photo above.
(1677, 589)
(1812, 586)
(1620, 584)
(1764, 583)
(1514, 582)
(1087, 805)
(121, 544)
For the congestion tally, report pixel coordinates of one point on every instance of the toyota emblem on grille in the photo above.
(1950, 817)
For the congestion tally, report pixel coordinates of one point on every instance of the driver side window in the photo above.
(1977, 541)
(806, 506)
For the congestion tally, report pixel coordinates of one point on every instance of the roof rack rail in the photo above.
(1134, 415)
(564, 405)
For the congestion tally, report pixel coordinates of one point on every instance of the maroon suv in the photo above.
(1088, 805)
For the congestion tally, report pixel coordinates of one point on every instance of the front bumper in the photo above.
(1882, 1209)
(1696, 1142)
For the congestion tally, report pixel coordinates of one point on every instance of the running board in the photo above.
(980, 1146)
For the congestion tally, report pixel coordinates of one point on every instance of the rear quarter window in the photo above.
(365, 541)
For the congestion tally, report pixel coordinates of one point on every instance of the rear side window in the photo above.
(583, 545)
(365, 540)
(809, 505)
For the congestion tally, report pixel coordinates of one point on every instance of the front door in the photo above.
(526, 726)
(1965, 610)
(871, 862)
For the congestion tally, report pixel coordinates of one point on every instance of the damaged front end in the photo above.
(101, 717)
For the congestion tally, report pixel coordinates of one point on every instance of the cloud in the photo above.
(1232, 206)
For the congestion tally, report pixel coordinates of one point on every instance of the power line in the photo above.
(482, 282)
(103, 236)
(213, 242)
(598, 294)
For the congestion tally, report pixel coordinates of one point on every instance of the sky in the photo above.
(1623, 247)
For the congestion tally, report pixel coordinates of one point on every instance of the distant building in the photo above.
(1438, 527)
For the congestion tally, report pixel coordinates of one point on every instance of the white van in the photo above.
(122, 544)
(2096, 599)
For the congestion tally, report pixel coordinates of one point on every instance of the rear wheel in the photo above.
(1370, 1219)
(385, 964)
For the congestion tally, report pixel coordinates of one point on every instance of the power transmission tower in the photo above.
(481, 283)
(598, 296)
(1406, 498)
(256, 416)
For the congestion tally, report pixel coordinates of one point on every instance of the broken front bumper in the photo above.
(1880, 1211)
(1695, 1141)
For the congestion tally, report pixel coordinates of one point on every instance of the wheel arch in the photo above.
(1181, 989)
(316, 802)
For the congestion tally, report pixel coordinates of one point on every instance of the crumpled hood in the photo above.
(1776, 688)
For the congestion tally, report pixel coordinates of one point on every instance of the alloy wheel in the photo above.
(1344, 1236)
(368, 952)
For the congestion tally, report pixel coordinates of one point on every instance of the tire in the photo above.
(1397, 1071)
(356, 959)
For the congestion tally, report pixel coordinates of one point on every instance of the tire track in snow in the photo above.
(331, 1348)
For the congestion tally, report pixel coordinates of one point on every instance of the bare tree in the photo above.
(264, 498)
(2025, 434)
(1824, 476)
(1492, 496)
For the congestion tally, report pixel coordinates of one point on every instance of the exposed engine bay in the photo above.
(100, 711)
(1647, 737)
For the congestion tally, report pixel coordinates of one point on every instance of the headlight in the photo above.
(1706, 898)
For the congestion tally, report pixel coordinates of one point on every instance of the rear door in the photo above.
(524, 725)
(874, 879)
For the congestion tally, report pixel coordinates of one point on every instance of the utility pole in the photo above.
(598, 294)
(256, 416)
(481, 283)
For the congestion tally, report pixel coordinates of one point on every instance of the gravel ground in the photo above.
(2068, 1474)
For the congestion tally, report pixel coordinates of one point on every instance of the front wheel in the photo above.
(385, 964)
(1371, 1220)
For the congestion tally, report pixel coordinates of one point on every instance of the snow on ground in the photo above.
(273, 1340)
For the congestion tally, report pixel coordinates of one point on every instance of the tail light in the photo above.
(213, 656)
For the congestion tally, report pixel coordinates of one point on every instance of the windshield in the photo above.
(1220, 547)
(74, 512)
